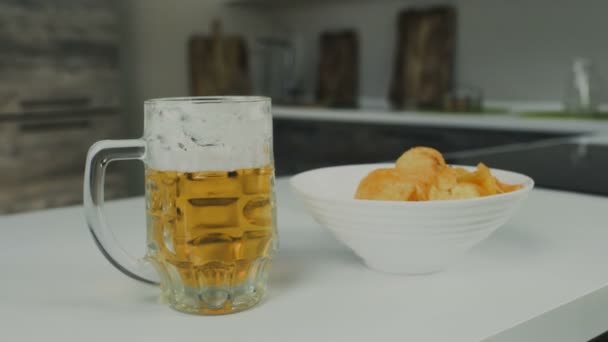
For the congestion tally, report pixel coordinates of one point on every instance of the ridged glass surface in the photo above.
(211, 236)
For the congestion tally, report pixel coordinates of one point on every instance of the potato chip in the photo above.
(474, 177)
(489, 182)
(421, 174)
(421, 193)
(483, 178)
(460, 171)
(438, 194)
(447, 178)
(508, 187)
(420, 160)
(387, 185)
(465, 190)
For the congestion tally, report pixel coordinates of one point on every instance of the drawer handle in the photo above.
(35, 127)
(36, 103)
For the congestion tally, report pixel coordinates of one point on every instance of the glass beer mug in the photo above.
(210, 206)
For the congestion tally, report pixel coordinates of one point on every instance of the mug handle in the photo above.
(99, 156)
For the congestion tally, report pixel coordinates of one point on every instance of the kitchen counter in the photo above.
(506, 121)
(542, 277)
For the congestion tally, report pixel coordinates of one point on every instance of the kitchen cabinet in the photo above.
(42, 157)
(59, 92)
(301, 145)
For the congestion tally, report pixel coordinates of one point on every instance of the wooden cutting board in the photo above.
(219, 64)
(338, 79)
(424, 58)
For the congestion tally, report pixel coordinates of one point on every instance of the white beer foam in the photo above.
(188, 136)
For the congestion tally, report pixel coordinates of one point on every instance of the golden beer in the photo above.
(211, 235)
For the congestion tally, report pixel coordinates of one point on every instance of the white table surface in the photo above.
(542, 277)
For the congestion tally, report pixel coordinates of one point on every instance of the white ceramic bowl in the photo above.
(404, 237)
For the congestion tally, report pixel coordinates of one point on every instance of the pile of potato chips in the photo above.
(421, 174)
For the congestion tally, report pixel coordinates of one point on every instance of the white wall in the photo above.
(513, 49)
(522, 49)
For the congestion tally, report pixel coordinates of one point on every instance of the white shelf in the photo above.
(290, 3)
(511, 121)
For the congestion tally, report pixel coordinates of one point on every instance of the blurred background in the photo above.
(352, 81)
